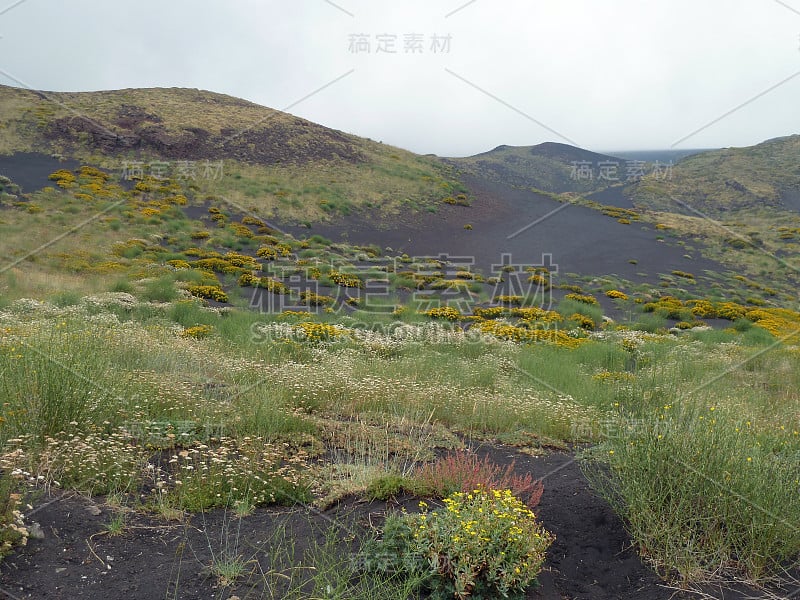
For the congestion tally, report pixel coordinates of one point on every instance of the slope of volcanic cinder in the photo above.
(526, 226)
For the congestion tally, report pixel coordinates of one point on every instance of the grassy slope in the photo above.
(741, 202)
(273, 161)
(723, 180)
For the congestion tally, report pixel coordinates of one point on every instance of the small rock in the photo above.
(35, 531)
(93, 510)
(60, 570)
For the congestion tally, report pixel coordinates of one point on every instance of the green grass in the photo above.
(703, 491)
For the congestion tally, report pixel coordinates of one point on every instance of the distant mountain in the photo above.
(718, 181)
(549, 166)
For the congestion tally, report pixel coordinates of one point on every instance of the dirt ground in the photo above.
(591, 559)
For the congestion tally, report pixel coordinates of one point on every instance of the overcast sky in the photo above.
(439, 77)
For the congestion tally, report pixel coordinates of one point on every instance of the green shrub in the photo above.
(388, 485)
(160, 290)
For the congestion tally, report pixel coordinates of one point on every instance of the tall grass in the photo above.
(707, 480)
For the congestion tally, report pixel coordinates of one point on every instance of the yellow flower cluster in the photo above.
(487, 538)
(780, 322)
(267, 252)
(493, 312)
(64, 179)
(210, 292)
(197, 332)
(539, 280)
(242, 260)
(347, 280)
(614, 377)
(179, 264)
(512, 333)
(584, 298)
(510, 300)
(319, 332)
(218, 265)
(314, 299)
(617, 295)
(541, 315)
(444, 312)
(267, 283)
(582, 321)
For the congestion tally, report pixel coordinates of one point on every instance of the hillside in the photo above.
(274, 162)
(720, 181)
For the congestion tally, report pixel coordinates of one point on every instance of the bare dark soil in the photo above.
(527, 226)
(30, 170)
(591, 559)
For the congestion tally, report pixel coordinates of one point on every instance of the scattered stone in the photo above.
(35, 531)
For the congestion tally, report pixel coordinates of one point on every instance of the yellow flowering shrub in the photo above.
(485, 544)
(242, 260)
(273, 251)
(510, 300)
(702, 309)
(347, 280)
(539, 280)
(210, 292)
(248, 220)
(179, 264)
(267, 283)
(217, 265)
(780, 322)
(533, 313)
(197, 332)
(617, 295)
(313, 299)
(730, 310)
(493, 312)
(582, 321)
(443, 312)
(513, 333)
(319, 332)
(242, 230)
(584, 298)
